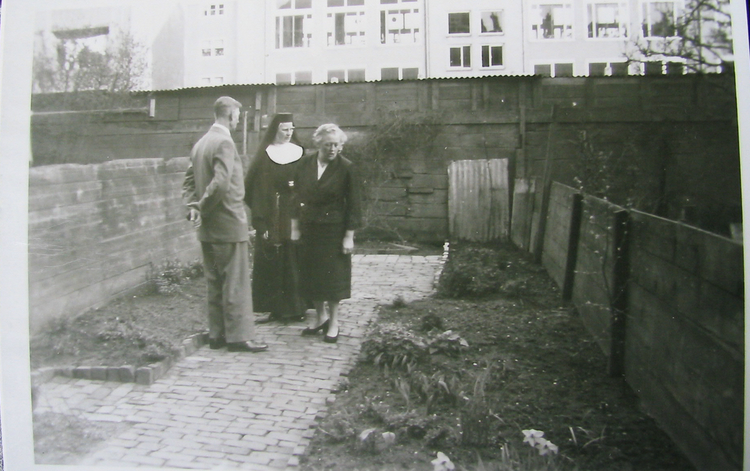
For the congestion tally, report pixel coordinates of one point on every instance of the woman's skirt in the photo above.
(326, 272)
(276, 281)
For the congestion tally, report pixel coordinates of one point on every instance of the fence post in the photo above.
(572, 252)
(619, 307)
(546, 189)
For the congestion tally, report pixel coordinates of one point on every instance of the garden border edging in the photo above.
(144, 375)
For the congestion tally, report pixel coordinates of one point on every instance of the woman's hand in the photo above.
(348, 244)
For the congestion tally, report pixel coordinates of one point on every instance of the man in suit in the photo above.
(214, 189)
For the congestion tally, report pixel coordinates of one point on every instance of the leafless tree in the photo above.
(67, 61)
(695, 38)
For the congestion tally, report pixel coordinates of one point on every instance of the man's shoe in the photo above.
(216, 344)
(247, 346)
(268, 319)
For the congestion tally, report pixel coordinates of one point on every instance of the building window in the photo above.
(389, 73)
(394, 73)
(341, 3)
(399, 26)
(214, 10)
(340, 76)
(212, 81)
(552, 21)
(356, 75)
(459, 23)
(410, 73)
(606, 20)
(346, 28)
(336, 76)
(460, 56)
(492, 22)
(659, 19)
(291, 31)
(283, 79)
(301, 78)
(615, 69)
(663, 67)
(492, 56)
(212, 48)
(297, 78)
(554, 70)
(294, 4)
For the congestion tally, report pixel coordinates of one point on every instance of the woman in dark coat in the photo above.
(328, 210)
(269, 189)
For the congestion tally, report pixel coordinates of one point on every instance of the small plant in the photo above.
(448, 342)
(398, 302)
(431, 322)
(339, 428)
(170, 274)
(155, 352)
(394, 346)
(470, 272)
(535, 438)
(442, 463)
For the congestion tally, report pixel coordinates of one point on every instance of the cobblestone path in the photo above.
(221, 410)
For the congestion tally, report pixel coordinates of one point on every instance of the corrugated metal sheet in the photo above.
(478, 200)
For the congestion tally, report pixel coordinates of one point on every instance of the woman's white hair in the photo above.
(325, 129)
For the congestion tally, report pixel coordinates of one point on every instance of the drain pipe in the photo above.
(427, 71)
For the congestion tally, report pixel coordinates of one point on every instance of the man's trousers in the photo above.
(230, 304)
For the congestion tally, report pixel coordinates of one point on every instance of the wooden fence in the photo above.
(663, 300)
(665, 303)
(479, 200)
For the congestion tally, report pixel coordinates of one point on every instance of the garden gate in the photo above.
(478, 200)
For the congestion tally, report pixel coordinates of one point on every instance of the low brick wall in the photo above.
(685, 337)
(95, 230)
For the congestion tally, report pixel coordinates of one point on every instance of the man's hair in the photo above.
(224, 106)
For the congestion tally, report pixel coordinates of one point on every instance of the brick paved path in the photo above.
(221, 410)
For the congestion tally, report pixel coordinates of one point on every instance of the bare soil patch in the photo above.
(529, 364)
(135, 330)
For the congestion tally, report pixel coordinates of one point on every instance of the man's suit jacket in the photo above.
(214, 183)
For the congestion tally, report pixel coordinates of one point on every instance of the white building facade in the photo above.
(317, 41)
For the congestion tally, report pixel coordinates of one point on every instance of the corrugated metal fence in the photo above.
(478, 200)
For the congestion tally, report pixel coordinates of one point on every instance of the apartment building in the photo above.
(316, 41)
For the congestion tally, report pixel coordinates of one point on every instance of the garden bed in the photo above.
(517, 359)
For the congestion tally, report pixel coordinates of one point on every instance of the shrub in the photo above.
(470, 272)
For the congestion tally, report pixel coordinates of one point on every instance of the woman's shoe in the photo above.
(329, 339)
(315, 330)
